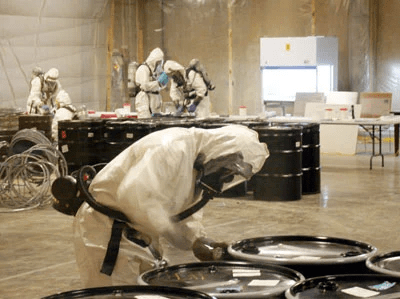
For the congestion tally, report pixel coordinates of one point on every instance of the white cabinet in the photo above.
(297, 64)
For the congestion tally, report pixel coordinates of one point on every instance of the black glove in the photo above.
(206, 249)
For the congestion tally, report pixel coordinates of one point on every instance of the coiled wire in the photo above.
(26, 178)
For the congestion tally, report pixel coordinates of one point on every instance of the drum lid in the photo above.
(301, 250)
(265, 130)
(388, 263)
(347, 286)
(138, 292)
(226, 279)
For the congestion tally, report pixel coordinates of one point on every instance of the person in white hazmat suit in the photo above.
(155, 183)
(64, 111)
(148, 101)
(35, 98)
(178, 82)
(198, 90)
(51, 88)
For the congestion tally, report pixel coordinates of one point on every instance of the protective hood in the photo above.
(51, 75)
(63, 98)
(154, 178)
(173, 66)
(155, 56)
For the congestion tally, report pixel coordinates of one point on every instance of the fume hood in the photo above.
(297, 64)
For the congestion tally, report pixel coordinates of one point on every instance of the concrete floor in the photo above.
(37, 256)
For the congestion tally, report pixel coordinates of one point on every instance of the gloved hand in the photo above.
(206, 249)
(163, 79)
(192, 108)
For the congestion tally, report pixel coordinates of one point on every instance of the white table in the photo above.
(363, 122)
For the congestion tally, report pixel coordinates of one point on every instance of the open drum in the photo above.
(347, 286)
(120, 292)
(311, 256)
(226, 279)
(387, 263)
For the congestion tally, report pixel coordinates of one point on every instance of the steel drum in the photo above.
(311, 256)
(386, 263)
(280, 178)
(351, 286)
(138, 292)
(226, 279)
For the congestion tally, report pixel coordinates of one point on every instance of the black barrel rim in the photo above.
(385, 263)
(249, 250)
(345, 286)
(118, 292)
(233, 286)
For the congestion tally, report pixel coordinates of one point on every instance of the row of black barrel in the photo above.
(292, 169)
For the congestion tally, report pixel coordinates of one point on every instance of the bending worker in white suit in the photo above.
(160, 183)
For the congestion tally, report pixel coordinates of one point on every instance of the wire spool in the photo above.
(26, 178)
(226, 279)
(25, 139)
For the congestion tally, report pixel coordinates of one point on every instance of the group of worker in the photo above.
(47, 97)
(188, 90)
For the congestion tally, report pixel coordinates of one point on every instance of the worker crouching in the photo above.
(155, 189)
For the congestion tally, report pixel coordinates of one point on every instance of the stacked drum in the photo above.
(119, 135)
(8, 128)
(291, 170)
(81, 142)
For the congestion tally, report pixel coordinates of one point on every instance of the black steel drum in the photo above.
(311, 168)
(280, 178)
(119, 135)
(350, 286)
(138, 292)
(226, 279)
(41, 123)
(166, 123)
(311, 180)
(311, 256)
(385, 263)
(81, 142)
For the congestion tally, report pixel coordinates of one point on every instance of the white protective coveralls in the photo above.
(149, 182)
(51, 87)
(196, 83)
(176, 92)
(65, 111)
(149, 100)
(35, 97)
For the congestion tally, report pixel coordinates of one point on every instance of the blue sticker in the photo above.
(383, 286)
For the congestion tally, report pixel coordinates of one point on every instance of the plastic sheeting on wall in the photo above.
(68, 35)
